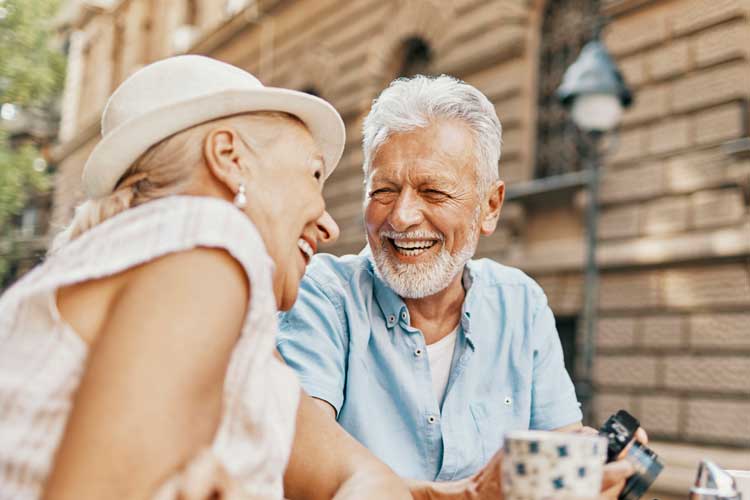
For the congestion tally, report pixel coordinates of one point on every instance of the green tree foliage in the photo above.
(17, 177)
(32, 73)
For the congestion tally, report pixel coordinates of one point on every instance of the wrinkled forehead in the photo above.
(443, 150)
(446, 138)
(420, 172)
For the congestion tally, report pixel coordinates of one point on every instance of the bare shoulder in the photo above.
(172, 279)
(196, 263)
(195, 299)
(203, 276)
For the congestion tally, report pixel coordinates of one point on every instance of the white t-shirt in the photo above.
(441, 356)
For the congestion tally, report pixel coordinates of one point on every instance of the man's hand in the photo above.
(640, 436)
(614, 477)
(616, 473)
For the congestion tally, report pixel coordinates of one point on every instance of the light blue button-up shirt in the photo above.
(350, 340)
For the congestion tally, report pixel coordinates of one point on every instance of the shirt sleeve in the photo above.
(553, 399)
(313, 342)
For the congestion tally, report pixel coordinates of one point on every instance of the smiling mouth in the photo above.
(305, 249)
(411, 248)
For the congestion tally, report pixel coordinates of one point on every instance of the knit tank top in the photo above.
(42, 359)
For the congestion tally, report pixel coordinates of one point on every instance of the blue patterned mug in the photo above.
(542, 465)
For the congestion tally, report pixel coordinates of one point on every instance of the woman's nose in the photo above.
(328, 230)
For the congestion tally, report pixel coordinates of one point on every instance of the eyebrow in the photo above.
(383, 180)
(430, 179)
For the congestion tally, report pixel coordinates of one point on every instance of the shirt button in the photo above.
(431, 419)
(403, 315)
(391, 318)
(418, 352)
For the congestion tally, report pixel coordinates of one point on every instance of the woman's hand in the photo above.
(204, 478)
(487, 483)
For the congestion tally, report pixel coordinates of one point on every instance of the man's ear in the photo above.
(221, 151)
(491, 207)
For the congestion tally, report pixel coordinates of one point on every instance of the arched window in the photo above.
(414, 57)
(566, 27)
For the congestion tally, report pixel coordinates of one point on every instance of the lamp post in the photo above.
(595, 93)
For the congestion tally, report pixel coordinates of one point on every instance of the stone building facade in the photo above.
(673, 337)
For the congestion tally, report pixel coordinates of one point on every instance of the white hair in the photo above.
(410, 103)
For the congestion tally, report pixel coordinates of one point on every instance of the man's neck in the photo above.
(438, 315)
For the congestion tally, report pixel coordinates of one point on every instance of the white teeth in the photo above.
(413, 244)
(306, 248)
(413, 248)
(411, 253)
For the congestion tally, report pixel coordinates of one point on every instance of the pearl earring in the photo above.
(240, 200)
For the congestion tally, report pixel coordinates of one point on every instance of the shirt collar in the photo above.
(393, 308)
(391, 305)
(470, 285)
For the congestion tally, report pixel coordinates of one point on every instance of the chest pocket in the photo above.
(493, 418)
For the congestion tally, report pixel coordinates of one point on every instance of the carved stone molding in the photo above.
(618, 7)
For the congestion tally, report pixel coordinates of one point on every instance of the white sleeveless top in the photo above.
(42, 358)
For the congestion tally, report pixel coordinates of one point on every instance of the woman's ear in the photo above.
(222, 150)
(492, 205)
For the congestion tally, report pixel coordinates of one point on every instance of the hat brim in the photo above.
(120, 148)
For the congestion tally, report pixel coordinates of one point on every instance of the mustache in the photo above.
(411, 235)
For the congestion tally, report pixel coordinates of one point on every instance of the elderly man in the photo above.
(423, 355)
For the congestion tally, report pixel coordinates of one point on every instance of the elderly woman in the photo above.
(148, 334)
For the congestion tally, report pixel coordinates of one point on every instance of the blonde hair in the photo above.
(167, 168)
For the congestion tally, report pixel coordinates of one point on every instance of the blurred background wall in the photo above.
(673, 335)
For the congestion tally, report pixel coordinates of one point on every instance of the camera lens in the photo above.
(620, 430)
(647, 468)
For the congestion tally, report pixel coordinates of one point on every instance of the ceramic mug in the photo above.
(542, 465)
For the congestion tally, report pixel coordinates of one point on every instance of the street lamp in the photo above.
(594, 90)
(595, 93)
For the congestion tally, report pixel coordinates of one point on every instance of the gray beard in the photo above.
(415, 281)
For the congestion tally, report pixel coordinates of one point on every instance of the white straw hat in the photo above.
(180, 92)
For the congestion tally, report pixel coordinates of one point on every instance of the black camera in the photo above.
(619, 430)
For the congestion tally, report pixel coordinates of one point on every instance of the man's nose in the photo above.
(328, 230)
(407, 211)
